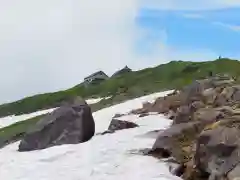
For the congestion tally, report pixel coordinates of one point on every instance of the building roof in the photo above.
(123, 70)
(96, 73)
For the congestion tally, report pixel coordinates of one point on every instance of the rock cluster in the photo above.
(204, 138)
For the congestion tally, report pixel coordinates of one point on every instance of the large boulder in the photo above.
(208, 115)
(70, 124)
(236, 94)
(195, 90)
(224, 98)
(146, 107)
(160, 105)
(222, 80)
(209, 95)
(177, 141)
(116, 125)
(183, 115)
(218, 151)
(229, 111)
(226, 82)
(207, 89)
(197, 105)
(138, 111)
(167, 103)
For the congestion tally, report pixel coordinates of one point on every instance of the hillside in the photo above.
(193, 130)
(172, 75)
(104, 157)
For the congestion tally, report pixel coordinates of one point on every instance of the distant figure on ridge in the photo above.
(210, 74)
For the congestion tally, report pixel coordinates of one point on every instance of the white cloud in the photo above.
(229, 26)
(49, 45)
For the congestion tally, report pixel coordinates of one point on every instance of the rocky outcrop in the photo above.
(205, 134)
(217, 151)
(70, 124)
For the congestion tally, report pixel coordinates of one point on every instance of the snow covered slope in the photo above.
(8, 120)
(104, 157)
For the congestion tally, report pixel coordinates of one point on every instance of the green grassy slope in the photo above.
(166, 76)
(16, 131)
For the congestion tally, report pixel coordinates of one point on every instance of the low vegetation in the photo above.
(172, 75)
(16, 131)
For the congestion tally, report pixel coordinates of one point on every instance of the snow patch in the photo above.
(8, 120)
(104, 157)
(96, 100)
(136, 103)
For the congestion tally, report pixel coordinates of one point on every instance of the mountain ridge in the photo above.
(172, 75)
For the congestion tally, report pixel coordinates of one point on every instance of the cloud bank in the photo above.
(49, 45)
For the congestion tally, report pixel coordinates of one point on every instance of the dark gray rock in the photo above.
(169, 142)
(105, 132)
(177, 169)
(209, 115)
(218, 151)
(236, 95)
(116, 125)
(69, 124)
(197, 88)
(223, 82)
(2, 143)
(171, 115)
(210, 95)
(143, 115)
(197, 105)
(224, 97)
(119, 125)
(183, 115)
(118, 115)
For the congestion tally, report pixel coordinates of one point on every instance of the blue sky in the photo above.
(50, 45)
(216, 30)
